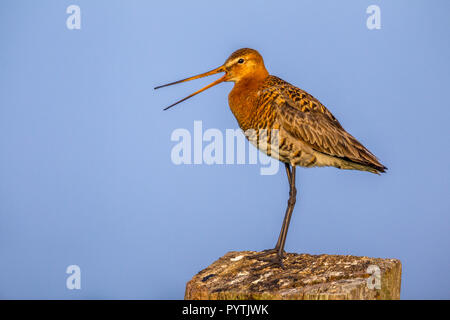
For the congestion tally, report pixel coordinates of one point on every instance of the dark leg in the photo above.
(285, 221)
(289, 210)
(279, 247)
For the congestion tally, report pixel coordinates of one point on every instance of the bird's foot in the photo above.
(264, 253)
(277, 260)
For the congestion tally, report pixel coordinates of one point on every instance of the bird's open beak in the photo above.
(209, 73)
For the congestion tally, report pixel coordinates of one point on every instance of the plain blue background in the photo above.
(85, 170)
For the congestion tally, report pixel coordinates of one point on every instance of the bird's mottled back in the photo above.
(307, 119)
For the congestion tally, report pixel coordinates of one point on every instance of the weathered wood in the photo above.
(306, 277)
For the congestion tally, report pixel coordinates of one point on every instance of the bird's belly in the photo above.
(281, 146)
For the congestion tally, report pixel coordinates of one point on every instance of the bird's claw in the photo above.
(277, 260)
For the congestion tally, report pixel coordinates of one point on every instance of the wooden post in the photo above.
(306, 277)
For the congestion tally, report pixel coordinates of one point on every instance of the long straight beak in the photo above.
(209, 73)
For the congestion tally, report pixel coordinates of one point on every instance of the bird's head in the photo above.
(244, 63)
(241, 65)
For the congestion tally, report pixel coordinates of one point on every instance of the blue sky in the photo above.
(86, 176)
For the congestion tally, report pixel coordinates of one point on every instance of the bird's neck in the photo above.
(243, 100)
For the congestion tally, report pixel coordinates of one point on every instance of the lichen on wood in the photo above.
(305, 277)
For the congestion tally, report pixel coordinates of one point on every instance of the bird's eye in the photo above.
(241, 60)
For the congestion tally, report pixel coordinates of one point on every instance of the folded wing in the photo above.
(305, 118)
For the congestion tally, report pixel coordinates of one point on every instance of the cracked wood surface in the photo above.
(306, 277)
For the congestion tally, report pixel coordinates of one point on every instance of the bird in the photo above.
(308, 134)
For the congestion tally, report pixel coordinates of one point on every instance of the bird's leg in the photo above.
(279, 247)
(289, 210)
(283, 226)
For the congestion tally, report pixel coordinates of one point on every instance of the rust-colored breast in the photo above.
(252, 106)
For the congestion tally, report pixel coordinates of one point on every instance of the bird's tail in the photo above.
(370, 167)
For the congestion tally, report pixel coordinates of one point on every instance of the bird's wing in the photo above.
(305, 118)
